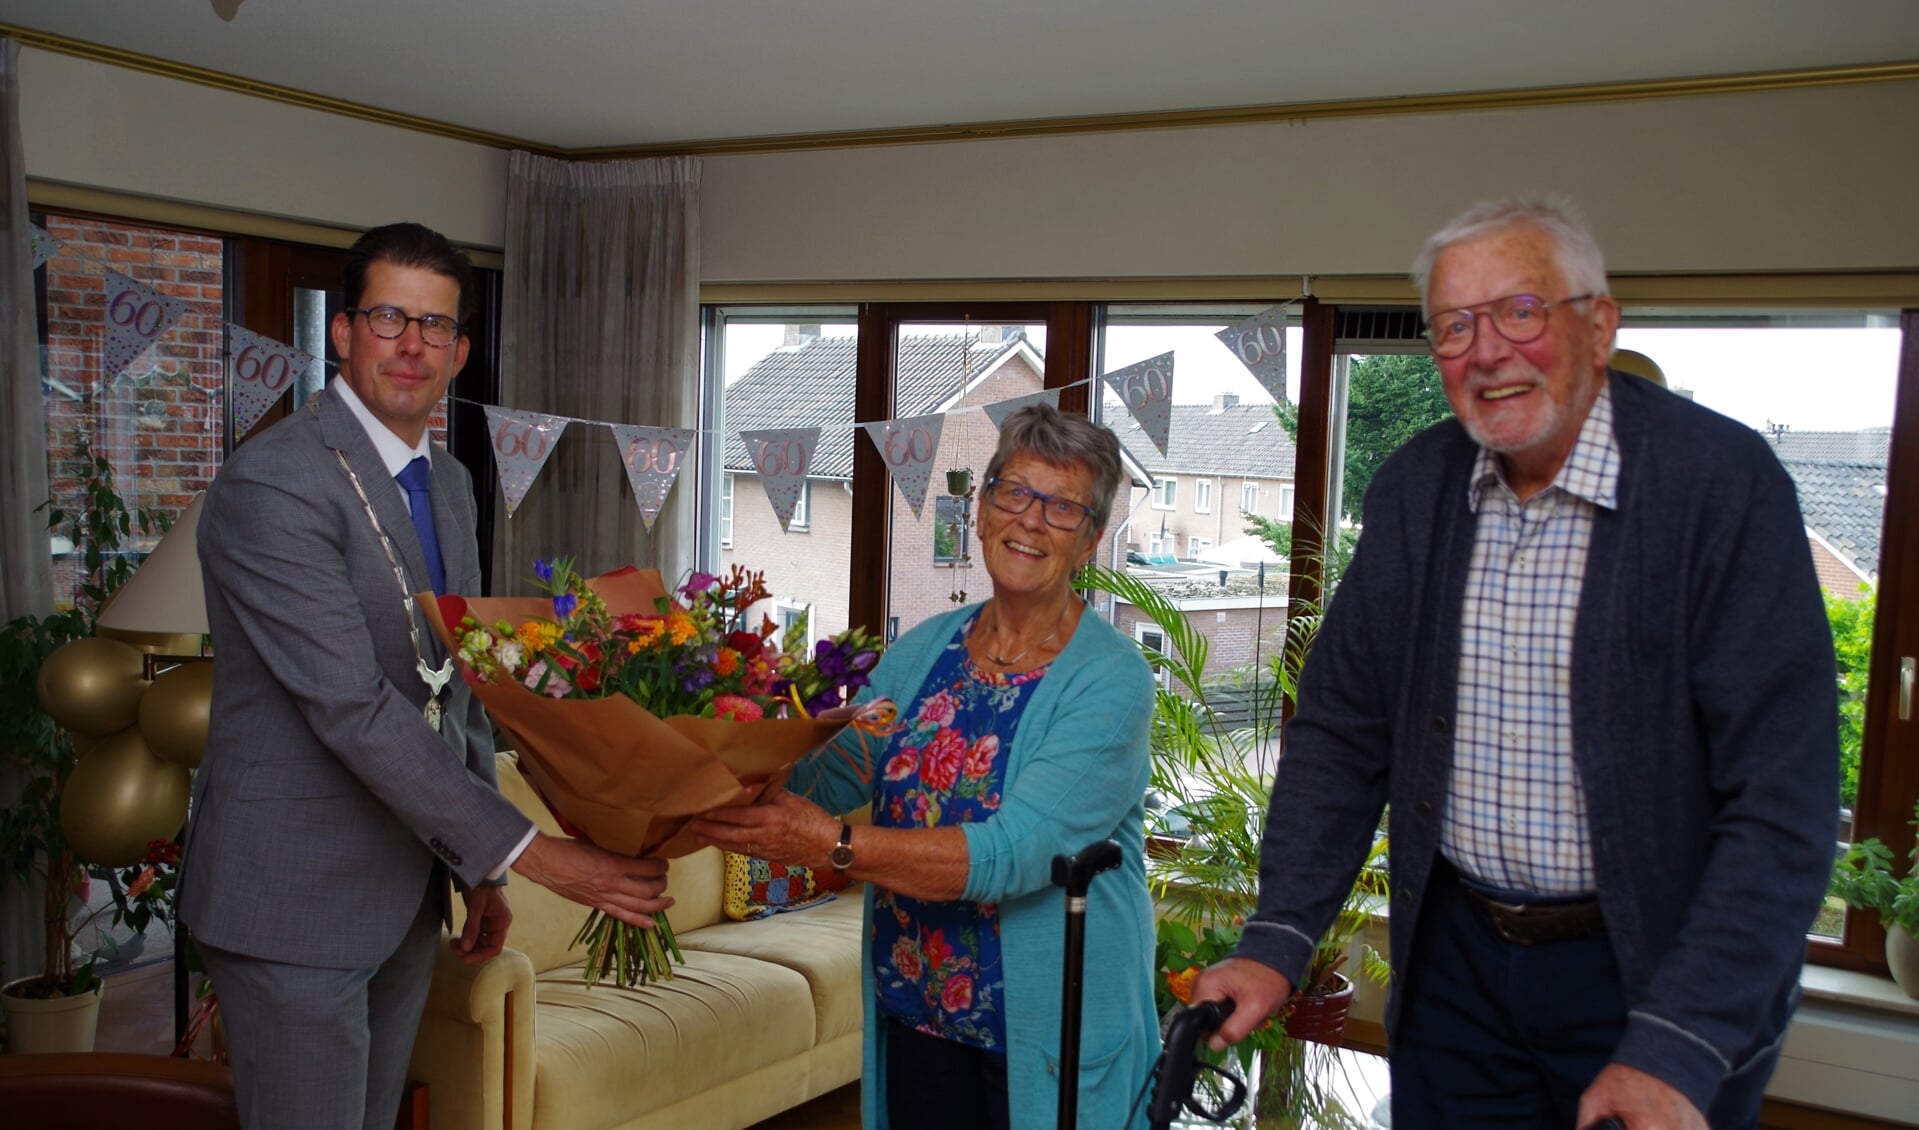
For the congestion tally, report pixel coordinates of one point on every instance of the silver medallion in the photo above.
(434, 714)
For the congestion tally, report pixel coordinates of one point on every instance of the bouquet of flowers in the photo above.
(635, 710)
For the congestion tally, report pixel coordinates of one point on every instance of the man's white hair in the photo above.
(1582, 267)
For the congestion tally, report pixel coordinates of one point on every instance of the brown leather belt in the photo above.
(1528, 925)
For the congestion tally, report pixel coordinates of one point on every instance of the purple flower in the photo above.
(564, 604)
(825, 700)
(544, 571)
(697, 584)
(697, 680)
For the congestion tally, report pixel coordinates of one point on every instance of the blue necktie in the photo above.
(416, 478)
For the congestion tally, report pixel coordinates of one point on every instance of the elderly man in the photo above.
(1582, 652)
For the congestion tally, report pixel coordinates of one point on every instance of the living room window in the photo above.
(1165, 493)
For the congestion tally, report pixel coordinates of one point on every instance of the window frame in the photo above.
(1165, 492)
(1203, 495)
(1249, 496)
(724, 516)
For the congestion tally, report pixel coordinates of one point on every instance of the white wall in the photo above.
(1792, 180)
(102, 126)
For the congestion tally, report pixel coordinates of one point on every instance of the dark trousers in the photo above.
(936, 1084)
(1497, 1034)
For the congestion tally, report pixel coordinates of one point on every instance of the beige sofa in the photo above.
(763, 1016)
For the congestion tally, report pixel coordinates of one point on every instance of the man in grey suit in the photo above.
(347, 773)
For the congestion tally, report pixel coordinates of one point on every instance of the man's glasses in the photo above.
(1014, 498)
(390, 322)
(1519, 318)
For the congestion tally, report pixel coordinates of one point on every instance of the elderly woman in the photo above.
(1023, 735)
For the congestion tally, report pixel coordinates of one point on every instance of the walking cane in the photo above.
(1075, 873)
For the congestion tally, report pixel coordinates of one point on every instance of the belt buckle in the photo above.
(1498, 911)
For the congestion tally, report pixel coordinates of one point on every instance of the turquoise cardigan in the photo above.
(1076, 773)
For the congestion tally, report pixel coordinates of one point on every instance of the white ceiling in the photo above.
(588, 73)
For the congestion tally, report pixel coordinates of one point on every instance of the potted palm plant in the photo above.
(1215, 745)
(1864, 878)
(33, 849)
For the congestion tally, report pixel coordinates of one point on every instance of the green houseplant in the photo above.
(1215, 745)
(1863, 876)
(33, 850)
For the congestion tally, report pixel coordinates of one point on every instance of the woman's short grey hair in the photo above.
(1046, 433)
(1581, 264)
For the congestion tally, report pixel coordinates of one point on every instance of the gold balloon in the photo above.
(175, 711)
(92, 686)
(157, 643)
(119, 799)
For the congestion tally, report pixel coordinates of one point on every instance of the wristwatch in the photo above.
(841, 857)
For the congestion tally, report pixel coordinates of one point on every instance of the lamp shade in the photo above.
(165, 593)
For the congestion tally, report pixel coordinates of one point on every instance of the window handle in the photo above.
(1907, 674)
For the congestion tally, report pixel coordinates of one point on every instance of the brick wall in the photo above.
(804, 565)
(159, 423)
(1230, 631)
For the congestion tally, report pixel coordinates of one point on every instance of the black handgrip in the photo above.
(1075, 872)
(1173, 1078)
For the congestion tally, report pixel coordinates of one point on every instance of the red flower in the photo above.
(737, 708)
(957, 994)
(979, 759)
(938, 710)
(935, 950)
(945, 754)
(901, 766)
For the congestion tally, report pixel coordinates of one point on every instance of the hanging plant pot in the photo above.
(959, 482)
(56, 1024)
(1320, 1019)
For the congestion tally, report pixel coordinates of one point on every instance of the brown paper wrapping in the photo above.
(612, 772)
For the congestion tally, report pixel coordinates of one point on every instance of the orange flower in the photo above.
(726, 662)
(536, 635)
(646, 633)
(1181, 984)
(680, 627)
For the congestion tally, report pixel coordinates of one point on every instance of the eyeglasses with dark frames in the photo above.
(390, 322)
(1519, 318)
(1015, 498)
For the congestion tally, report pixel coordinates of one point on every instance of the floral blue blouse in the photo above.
(936, 965)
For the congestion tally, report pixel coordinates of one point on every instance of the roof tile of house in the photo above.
(1841, 478)
(1244, 440)
(810, 384)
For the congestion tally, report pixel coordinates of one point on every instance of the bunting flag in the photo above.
(652, 457)
(260, 370)
(781, 457)
(1146, 388)
(44, 246)
(999, 410)
(908, 446)
(137, 316)
(1260, 344)
(521, 443)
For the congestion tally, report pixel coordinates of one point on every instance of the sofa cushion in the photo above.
(606, 1055)
(756, 888)
(822, 943)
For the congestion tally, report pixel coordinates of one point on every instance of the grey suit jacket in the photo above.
(325, 803)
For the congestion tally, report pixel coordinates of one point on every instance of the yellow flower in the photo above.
(647, 633)
(680, 627)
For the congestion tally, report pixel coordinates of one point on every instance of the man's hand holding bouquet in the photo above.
(635, 710)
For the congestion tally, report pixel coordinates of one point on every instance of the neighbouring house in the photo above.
(1223, 461)
(1842, 494)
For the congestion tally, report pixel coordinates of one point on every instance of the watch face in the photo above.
(841, 856)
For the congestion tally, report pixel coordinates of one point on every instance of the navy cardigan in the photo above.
(1704, 729)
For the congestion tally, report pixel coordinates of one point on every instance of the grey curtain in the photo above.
(26, 581)
(601, 322)
(26, 570)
